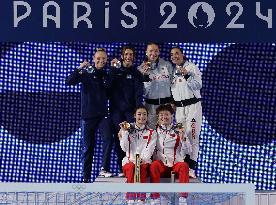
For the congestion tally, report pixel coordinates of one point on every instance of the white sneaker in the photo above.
(182, 201)
(104, 173)
(131, 202)
(155, 201)
(121, 174)
(192, 173)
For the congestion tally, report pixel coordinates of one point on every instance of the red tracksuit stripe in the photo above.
(151, 131)
(175, 147)
(128, 147)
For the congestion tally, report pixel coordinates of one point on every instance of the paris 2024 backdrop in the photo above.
(40, 136)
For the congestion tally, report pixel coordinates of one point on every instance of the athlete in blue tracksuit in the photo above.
(94, 112)
(126, 93)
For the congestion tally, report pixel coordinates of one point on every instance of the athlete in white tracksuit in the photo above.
(141, 141)
(171, 147)
(157, 82)
(138, 140)
(186, 85)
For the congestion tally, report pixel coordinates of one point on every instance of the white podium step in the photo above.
(122, 180)
(110, 180)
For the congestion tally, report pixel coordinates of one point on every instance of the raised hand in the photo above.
(145, 67)
(84, 64)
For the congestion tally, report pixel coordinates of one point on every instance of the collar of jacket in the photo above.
(143, 127)
(99, 72)
(155, 64)
(166, 128)
(181, 64)
(124, 69)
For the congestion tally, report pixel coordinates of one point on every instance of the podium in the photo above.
(123, 180)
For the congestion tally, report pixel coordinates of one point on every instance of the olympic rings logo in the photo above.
(79, 187)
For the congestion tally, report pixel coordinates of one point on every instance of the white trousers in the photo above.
(191, 118)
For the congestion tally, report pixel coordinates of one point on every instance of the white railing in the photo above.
(265, 198)
(107, 193)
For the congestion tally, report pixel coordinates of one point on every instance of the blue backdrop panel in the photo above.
(40, 116)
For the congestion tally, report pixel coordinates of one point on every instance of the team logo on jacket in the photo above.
(172, 135)
(129, 76)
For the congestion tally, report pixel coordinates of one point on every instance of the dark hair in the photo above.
(152, 43)
(165, 107)
(130, 48)
(140, 107)
(176, 47)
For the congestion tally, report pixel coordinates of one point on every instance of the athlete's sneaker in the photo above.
(192, 173)
(86, 181)
(182, 201)
(121, 174)
(155, 201)
(104, 173)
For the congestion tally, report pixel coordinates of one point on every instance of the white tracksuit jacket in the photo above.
(141, 141)
(191, 115)
(170, 147)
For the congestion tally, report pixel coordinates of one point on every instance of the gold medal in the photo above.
(126, 126)
(179, 125)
